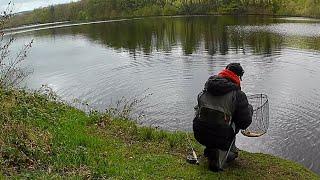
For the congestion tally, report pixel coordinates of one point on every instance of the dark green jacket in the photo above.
(221, 103)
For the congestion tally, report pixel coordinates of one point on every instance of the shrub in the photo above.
(11, 72)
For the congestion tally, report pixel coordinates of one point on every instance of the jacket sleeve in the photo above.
(242, 116)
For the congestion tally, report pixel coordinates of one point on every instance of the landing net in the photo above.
(260, 117)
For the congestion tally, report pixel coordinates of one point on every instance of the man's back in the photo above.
(222, 110)
(216, 106)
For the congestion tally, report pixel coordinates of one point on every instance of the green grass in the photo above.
(48, 140)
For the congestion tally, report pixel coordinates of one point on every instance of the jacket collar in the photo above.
(230, 75)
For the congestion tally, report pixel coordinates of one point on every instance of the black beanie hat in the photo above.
(236, 68)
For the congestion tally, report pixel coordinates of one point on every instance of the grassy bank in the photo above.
(45, 139)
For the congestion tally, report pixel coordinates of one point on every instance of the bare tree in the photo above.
(11, 72)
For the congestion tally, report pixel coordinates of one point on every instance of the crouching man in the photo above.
(222, 110)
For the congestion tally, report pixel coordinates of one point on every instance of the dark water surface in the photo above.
(173, 57)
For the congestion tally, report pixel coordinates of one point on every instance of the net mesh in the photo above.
(260, 118)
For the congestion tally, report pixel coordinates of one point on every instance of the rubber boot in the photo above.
(206, 152)
(214, 159)
(234, 153)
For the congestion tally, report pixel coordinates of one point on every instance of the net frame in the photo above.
(260, 117)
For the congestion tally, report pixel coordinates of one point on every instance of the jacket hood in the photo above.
(217, 85)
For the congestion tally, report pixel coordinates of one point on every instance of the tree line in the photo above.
(88, 10)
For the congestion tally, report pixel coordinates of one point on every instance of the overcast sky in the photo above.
(26, 5)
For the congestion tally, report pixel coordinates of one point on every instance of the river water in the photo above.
(173, 57)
